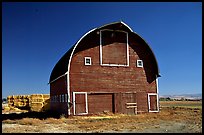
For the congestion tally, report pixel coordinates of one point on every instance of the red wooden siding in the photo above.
(153, 102)
(99, 103)
(57, 88)
(80, 103)
(109, 88)
(114, 47)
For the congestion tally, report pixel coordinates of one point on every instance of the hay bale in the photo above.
(16, 109)
(37, 100)
(6, 108)
(36, 106)
(36, 96)
(46, 96)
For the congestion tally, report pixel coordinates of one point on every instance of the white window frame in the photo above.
(101, 52)
(138, 65)
(85, 62)
(153, 94)
(74, 105)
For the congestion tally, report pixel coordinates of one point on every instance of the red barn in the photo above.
(110, 69)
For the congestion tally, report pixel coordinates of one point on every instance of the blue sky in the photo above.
(36, 35)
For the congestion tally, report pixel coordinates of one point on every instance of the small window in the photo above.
(52, 99)
(87, 60)
(139, 63)
(59, 98)
(65, 97)
(62, 97)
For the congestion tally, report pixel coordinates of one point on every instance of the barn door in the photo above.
(152, 102)
(80, 105)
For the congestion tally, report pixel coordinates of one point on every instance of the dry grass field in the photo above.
(174, 117)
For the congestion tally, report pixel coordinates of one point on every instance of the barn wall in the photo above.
(97, 78)
(108, 78)
(59, 87)
(98, 103)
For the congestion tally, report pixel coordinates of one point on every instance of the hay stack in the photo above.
(39, 102)
(36, 102)
(10, 100)
(6, 108)
(21, 100)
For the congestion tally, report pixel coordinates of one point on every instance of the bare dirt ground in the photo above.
(174, 117)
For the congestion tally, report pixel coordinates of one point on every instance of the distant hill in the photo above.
(185, 96)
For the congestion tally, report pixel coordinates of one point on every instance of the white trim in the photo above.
(68, 70)
(116, 23)
(115, 65)
(74, 105)
(152, 94)
(138, 65)
(128, 61)
(85, 62)
(127, 26)
(101, 52)
(157, 84)
(100, 48)
(57, 78)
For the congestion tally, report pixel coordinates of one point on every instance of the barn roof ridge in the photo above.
(109, 24)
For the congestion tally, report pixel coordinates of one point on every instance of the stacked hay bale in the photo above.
(10, 100)
(46, 103)
(34, 102)
(21, 101)
(15, 102)
(39, 102)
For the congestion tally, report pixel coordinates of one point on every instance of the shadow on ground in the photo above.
(39, 115)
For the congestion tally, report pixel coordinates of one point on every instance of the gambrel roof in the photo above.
(62, 66)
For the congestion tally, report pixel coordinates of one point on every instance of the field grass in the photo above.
(174, 117)
(185, 104)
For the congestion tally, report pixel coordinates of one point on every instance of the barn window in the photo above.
(65, 97)
(139, 63)
(114, 50)
(62, 97)
(87, 60)
(51, 98)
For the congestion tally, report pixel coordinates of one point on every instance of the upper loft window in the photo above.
(87, 60)
(114, 50)
(139, 63)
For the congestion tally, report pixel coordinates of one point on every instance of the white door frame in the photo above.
(152, 94)
(74, 103)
